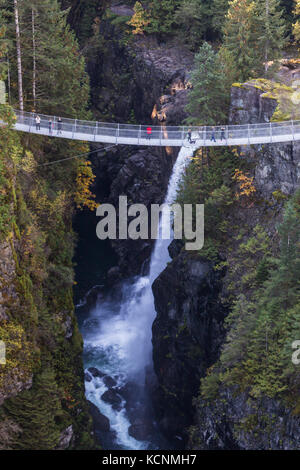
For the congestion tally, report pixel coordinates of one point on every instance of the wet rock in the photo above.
(95, 372)
(101, 422)
(113, 398)
(88, 377)
(109, 381)
(130, 389)
(65, 438)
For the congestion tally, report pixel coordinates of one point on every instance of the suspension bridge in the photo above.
(165, 136)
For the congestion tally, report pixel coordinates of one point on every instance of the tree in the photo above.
(240, 38)
(52, 71)
(296, 25)
(3, 47)
(162, 16)
(271, 30)
(19, 55)
(194, 19)
(36, 411)
(139, 20)
(219, 10)
(207, 99)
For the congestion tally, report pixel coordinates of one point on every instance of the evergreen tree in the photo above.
(162, 16)
(271, 30)
(3, 47)
(240, 38)
(296, 25)
(36, 412)
(53, 70)
(194, 19)
(218, 12)
(207, 98)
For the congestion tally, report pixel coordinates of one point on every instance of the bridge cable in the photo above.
(78, 156)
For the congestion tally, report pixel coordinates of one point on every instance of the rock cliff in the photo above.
(148, 83)
(187, 334)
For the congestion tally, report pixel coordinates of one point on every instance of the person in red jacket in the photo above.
(149, 132)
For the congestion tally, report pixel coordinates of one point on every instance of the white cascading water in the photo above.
(118, 333)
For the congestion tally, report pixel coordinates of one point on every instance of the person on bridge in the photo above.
(149, 132)
(189, 136)
(59, 126)
(50, 124)
(223, 133)
(37, 122)
(213, 135)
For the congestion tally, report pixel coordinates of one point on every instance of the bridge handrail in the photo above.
(135, 127)
(161, 135)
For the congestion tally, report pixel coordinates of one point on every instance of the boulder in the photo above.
(95, 372)
(113, 398)
(109, 381)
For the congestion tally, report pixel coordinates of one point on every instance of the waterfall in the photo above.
(118, 332)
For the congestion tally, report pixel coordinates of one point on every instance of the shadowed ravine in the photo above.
(117, 336)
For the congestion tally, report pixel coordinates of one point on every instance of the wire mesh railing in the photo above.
(161, 135)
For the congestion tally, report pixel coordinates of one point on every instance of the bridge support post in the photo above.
(139, 134)
(117, 133)
(74, 128)
(182, 135)
(249, 130)
(204, 136)
(271, 135)
(293, 130)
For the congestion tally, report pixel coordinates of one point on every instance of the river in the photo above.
(117, 334)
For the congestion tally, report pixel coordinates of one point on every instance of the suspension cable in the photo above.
(78, 156)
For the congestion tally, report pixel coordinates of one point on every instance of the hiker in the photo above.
(37, 122)
(50, 124)
(189, 136)
(213, 137)
(223, 133)
(149, 132)
(59, 126)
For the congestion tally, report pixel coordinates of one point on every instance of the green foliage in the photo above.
(257, 355)
(162, 16)
(296, 25)
(37, 412)
(208, 180)
(201, 20)
(254, 35)
(209, 97)
(36, 208)
(61, 79)
(271, 31)
(240, 38)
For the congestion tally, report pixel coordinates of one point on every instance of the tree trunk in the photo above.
(19, 56)
(34, 60)
(267, 40)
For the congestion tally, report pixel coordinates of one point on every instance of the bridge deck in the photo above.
(172, 136)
